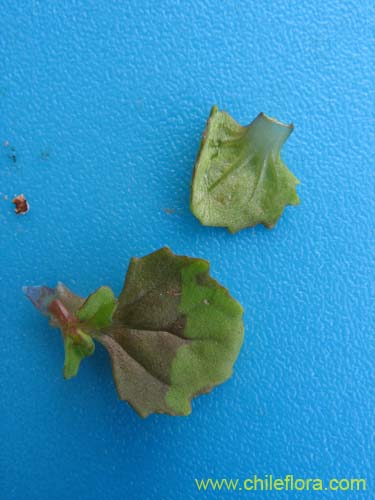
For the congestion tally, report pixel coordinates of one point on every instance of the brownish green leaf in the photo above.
(173, 334)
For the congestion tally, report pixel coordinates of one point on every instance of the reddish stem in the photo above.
(67, 320)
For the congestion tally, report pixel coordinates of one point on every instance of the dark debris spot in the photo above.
(45, 155)
(12, 155)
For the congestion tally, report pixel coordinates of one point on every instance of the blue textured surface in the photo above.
(105, 103)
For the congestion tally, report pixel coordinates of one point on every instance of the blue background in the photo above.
(105, 103)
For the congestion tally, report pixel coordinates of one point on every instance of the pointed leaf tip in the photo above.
(40, 296)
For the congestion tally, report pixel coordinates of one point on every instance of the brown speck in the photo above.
(22, 207)
(169, 211)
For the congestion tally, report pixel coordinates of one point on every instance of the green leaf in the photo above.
(173, 334)
(76, 349)
(239, 179)
(176, 333)
(98, 309)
